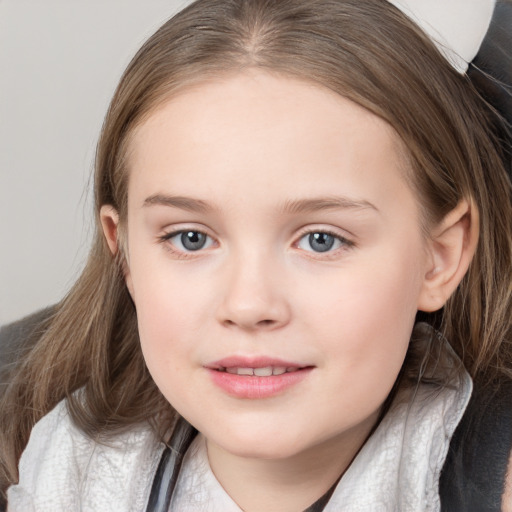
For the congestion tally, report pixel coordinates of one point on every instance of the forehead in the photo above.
(259, 135)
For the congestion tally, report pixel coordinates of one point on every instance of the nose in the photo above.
(253, 296)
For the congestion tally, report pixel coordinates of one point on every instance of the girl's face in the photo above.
(276, 261)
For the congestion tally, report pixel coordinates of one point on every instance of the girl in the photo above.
(302, 261)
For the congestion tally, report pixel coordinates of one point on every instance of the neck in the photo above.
(286, 484)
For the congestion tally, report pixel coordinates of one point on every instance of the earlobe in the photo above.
(452, 246)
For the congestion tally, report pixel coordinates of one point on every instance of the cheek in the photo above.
(164, 316)
(365, 317)
(367, 295)
(165, 333)
(173, 312)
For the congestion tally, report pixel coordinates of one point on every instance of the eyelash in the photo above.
(165, 239)
(345, 243)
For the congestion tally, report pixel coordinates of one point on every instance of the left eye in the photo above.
(189, 240)
(320, 242)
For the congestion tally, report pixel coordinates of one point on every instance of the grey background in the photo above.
(60, 61)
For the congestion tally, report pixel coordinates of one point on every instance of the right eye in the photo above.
(189, 240)
(322, 242)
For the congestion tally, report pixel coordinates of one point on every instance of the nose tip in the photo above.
(253, 300)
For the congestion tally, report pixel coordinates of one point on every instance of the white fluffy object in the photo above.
(457, 27)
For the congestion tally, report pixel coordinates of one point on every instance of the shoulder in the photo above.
(63, 469)
(476, 472)
(17, 337)
(46, 467)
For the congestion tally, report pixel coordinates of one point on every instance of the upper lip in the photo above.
(253, 362)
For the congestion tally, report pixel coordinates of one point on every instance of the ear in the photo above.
(109, 218)
(452, 246)
(109, 222)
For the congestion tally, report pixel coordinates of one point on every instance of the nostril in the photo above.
(253, 312)
(261, 324)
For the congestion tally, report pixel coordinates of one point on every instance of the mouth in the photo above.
(265, 371)
(256, 378)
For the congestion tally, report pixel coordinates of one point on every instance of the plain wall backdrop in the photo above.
(60, 61)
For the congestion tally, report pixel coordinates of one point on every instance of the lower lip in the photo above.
(251, 386)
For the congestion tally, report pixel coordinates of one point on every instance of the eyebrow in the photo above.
(326, 203)
(309, 205)
(181, 202)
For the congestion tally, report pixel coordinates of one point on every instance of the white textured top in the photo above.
(458, 27)
(397, 469)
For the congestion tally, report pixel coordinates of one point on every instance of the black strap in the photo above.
(474, 473)
(168, 470)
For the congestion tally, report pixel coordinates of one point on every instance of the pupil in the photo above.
(193, 240)
(321, 242)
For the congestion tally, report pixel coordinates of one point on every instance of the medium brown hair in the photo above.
(364, 50)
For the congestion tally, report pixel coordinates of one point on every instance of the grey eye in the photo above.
(320, 241)
(190, 241)
(193, 240)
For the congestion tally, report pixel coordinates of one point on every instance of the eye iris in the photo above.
(321, 242)
(193, 240)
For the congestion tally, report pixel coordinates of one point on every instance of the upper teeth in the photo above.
(260, 372)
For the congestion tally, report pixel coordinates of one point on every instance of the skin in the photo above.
(248, 147)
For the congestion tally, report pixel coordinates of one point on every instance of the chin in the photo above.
(264, 452)
(260, 443)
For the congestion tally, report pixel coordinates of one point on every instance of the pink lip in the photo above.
(252, 362)
(254, 387)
